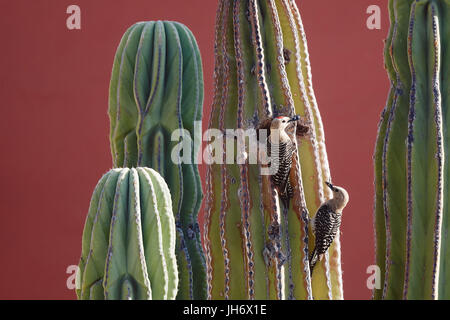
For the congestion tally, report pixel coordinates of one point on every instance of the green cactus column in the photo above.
(156, 91)
(411, 155)
(262, 69)
(128, 249)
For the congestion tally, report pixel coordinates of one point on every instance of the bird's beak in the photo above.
(330, 186)
(294, 118)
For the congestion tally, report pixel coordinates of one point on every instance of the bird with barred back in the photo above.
(326, 223)
(281, 144)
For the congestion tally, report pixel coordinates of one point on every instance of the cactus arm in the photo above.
(424, 223)
(379, 214)
(444, 278)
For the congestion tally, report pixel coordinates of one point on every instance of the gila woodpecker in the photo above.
(326, 223)
(284, 149)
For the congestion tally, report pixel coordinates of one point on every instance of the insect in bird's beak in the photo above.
(294, 118)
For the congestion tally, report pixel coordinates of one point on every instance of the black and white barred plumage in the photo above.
(284, 149)
(283, 160)
(326, 226)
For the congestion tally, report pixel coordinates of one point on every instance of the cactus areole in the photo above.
(156, 89)
(254, 248)
(412, 173)
(128, 249)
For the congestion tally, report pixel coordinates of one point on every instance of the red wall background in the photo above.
(54, 127)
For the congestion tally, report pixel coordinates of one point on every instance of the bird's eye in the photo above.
(284, 121)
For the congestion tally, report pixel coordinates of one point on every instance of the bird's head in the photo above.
(340, 197)
(281, 123)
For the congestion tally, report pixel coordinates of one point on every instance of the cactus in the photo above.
(412, 214)
(157, 87)
(262, 69)
(128, 249)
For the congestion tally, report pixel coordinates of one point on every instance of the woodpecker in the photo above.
(327, 222)
(282, 143)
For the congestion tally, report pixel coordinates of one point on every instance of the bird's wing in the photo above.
(325, 228)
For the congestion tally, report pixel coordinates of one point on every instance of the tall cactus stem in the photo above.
(260, 72)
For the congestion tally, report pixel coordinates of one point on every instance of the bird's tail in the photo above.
(313, 261)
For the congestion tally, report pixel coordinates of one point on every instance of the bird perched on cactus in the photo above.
(326, 223)
(284, 148)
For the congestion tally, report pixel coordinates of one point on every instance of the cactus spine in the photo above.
(262, 69)
(157, 88)
(128, 249)
(412, 214)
